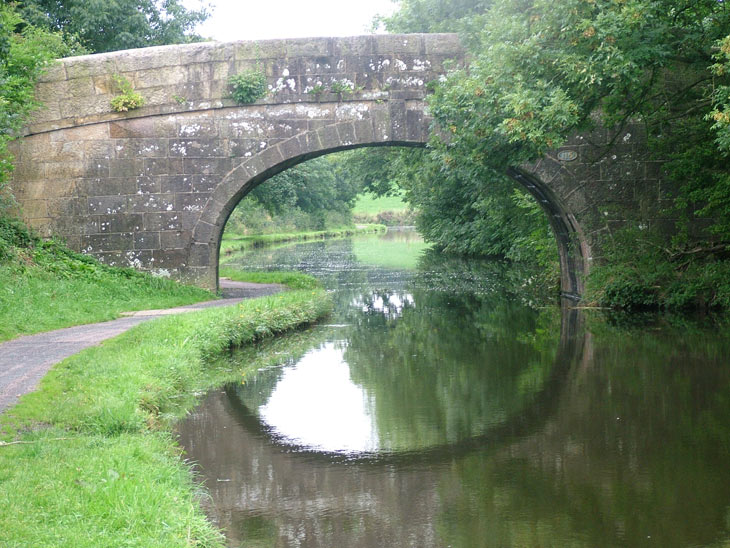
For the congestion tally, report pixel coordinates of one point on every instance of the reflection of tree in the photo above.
(446, 367)
(636, 455)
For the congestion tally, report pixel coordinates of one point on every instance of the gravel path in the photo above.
(25, 360)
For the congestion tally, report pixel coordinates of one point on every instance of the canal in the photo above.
(454, 403)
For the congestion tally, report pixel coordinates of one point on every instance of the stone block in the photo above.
(174, 239)
(54, 72)
(193, 201)
(386, 44)
(147, 240)
(119, 223)
(141, 148)
(163, 166)
(96, 167)
(206, 52)
(163, 221)
(205, 232)
(206, 166)
(90, 65)
(162, 76)
(151, 202)
(201, 255)
(443, 44)
(203, 183)
(169, 258)
(354, 45)
(149, 59)
(197, 148)
(176, 183)
(86, 106)
(107, 205)
(126, 167)
(140, 129)
(96, 243)
(305, 47)
(148, 185)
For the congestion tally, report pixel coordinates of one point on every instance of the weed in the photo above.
(128, 99)
(248, 86)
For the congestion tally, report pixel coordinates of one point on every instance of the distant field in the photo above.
(367, 204)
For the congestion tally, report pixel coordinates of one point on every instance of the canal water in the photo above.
(454, 403)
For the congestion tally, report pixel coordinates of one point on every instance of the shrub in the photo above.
(248, 86)
(128, 99)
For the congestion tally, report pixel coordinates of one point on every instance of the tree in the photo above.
(314, 195)
(109, 25)
(541, 70)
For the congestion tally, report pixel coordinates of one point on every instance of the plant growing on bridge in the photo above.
(248, 86)
(128, 99)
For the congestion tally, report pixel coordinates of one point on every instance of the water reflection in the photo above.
(496, 424)
(316, 405)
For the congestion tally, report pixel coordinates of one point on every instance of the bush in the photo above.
(14, 234)
(128, 99)
(248, 86)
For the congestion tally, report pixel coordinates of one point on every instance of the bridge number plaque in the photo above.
(567, 155)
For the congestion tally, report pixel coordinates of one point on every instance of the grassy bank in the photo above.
(387, 210)
(236, 242)
(90, 460)
(45, 286)
(293, 280)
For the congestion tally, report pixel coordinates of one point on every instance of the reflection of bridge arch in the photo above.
(316, 493)
(530, 419)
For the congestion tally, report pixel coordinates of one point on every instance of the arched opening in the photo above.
(207, 236)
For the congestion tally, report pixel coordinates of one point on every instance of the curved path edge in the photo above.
(25, 360)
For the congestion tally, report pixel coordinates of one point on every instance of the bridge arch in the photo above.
(248, 174)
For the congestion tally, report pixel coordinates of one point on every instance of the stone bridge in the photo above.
(152, 188)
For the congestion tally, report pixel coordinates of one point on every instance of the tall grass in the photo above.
(46, 286)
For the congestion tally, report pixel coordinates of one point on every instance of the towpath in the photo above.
(25, 360)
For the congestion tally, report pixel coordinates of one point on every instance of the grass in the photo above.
(368, 204)
(390, 254)
(293, 280)
(388, 210)
(236, 242)
(96, 464)
(45, 286)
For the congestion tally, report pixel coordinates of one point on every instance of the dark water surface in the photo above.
(447, 403)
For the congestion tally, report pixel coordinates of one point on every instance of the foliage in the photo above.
(432, 15)
(128, 99)
(310, 196)
(387, 210)
(540, 70)
(248, 86)
(641, 273)
(110, 25)
(465, 205)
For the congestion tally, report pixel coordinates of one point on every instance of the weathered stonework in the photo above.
(153, 188)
